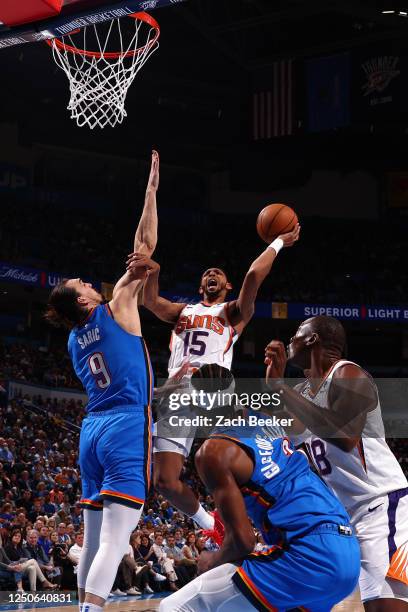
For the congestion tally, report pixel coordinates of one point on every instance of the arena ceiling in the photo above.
(256, 32)
(199, 80)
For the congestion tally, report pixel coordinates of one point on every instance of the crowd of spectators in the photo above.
(41, 522)
(362, 268)
(41, 365)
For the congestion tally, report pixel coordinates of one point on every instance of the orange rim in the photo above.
(148, 19)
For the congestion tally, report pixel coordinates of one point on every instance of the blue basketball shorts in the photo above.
(312, 573)
(115, 452)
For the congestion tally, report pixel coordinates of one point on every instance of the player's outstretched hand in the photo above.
(154, 171)
(140, 266)
(290, 238)
(275, 360)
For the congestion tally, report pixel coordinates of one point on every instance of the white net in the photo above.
(100, 78)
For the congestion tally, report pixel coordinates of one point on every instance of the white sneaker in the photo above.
(148, 589)
(118, 593)
(159, 577)
(133, 591)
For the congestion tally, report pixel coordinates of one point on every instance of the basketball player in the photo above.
(202, 333)
(111, 360)
(252, 472)
(339, 422)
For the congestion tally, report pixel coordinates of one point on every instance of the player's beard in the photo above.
(214, 295)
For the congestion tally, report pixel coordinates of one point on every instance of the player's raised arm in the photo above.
(351, 398)
(146, 234)
(275, 361)
(125, 298)
(216, 463)
(241, 310)
(164, 309)
(125, 293)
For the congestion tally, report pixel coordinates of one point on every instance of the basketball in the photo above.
(274, 220)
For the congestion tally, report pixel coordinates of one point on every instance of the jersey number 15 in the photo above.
(193, 345)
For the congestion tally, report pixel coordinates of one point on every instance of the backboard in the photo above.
(38, 20)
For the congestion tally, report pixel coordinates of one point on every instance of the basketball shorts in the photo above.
(168, 438)
(163, 435)
(115, 457)
(382, 531)
(179, 438)
(314, 573)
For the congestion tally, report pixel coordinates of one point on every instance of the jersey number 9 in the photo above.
(99, 370)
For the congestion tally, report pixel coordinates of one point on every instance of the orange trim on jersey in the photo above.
(265, 553)
(108, 310)
(149, 420)
(226, 312)
(399, 565)
(150, 373)
(255, 591)
(257, 494)
(229, 343)
(89, 502)
(136, 500)
(149, 448)
(360, 449)
(88, 316)
(215, 435)
(171, 342)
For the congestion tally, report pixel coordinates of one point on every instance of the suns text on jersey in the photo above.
(92, 335)
(206, 321)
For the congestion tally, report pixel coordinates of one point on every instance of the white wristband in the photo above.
(276, 245)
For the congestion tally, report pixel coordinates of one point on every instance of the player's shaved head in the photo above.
(323, 334)
(330, 331)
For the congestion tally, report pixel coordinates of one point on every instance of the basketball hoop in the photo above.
(99, 79)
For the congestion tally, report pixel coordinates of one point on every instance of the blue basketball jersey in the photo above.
(284, 498)
(112, 364)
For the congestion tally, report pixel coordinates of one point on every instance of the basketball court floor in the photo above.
(151, 602)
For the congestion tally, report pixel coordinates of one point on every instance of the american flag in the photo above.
(272, 110)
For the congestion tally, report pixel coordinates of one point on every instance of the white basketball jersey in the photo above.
(202, 335)
(369, 471)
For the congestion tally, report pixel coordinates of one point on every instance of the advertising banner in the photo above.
(347, 312)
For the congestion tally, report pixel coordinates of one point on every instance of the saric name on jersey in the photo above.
(92, 335)
(206, 321)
